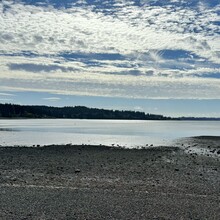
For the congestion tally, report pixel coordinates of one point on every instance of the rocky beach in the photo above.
(100, 182)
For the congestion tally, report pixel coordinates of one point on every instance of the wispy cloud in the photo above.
(52, 99)
(137, 49)
(6, 94)
(29, 67)
(6, 100)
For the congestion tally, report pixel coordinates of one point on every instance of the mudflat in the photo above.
(99, 182)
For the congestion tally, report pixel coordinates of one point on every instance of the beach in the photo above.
(100, 182)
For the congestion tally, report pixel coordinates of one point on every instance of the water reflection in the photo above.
(106, 132)
(8, 129)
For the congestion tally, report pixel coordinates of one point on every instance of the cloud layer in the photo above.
(137, 49)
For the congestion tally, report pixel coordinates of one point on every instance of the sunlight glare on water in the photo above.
(126, 133)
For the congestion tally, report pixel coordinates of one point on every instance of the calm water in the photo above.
(107, 132)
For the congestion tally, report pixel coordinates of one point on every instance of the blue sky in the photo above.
(149, 55)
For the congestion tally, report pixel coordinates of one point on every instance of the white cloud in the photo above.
(52, 99)
(116, 85)
(5, 100)
(140, 35)
(130, 30)
(6, 94)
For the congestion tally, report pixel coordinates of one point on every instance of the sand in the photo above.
(99, 182)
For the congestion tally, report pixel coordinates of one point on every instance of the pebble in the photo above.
(77, 171)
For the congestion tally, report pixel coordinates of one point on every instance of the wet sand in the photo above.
(99, 182)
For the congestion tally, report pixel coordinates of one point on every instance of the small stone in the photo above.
(77, 171)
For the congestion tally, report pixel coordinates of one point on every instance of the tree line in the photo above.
(77, 112)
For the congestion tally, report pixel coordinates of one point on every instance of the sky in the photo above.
(156, 56)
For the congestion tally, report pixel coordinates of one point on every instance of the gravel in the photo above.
(99, 182)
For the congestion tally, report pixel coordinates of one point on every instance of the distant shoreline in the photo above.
(173, 119)
(81, 112)
(77, 112)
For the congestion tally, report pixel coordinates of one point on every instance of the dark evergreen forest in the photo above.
(77, 112)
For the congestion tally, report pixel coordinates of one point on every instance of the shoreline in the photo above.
(203, 145)
(100, 182)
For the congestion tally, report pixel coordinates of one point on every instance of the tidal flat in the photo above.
(100, 182)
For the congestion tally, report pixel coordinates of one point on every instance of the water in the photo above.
(106, 132)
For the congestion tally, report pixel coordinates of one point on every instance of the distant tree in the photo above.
(79, 112)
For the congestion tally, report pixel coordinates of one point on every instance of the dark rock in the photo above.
(59, 168)
(77, 170)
